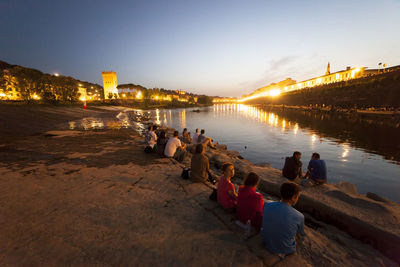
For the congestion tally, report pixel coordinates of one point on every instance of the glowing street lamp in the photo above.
(56, 74)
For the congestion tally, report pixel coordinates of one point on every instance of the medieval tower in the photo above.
(110, 84)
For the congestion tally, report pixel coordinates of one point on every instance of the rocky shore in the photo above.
(74, 197)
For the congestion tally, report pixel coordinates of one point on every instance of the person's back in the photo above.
(281, 222)
(280, 225)
(201, 138)
(151, 137)
(199, 165)
(161, 142)
(317, 169)
(171, 146)
(292, 168)
(195, 137)
(249, 202)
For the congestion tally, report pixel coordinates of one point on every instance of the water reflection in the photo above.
(351, 145)
(372, 135)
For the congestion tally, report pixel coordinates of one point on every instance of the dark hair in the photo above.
(251, 179)
(202, 131)
(316, 155)
(162, 134)
(226, 165)
(150, 127)
(184, 130)
(288, 190)
(154, 127)
(199, 148)
(176, 133)
(197, 129)
(296, 153)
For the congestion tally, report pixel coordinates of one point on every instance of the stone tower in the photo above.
(110, 84)
(328, 69)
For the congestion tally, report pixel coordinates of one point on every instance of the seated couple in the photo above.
(202, 139)
(278, 221)
(316, 168)
(247, 202)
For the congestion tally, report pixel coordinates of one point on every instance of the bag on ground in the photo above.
(185, 173)
(213, 195)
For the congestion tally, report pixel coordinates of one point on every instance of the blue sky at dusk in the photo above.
(225, 48)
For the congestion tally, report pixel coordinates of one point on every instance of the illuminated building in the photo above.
(288, 85)
(9, 92)
(110, 84)
(82, 93)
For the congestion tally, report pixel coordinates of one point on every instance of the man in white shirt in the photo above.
(151, 137)
(174, 148)
(195, 137)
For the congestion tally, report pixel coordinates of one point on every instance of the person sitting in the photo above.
(161, 142)
(316, 169)
(199, 165)
(292, 168)
(156, 130)
(186, 136)
(195, 137)
(281, 222)
(206, 141)
(174, 148)
(249, 202)
(226, 194)
(151, 138)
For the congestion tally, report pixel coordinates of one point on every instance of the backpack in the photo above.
(185, 173)
(148, 149)
(213, 196)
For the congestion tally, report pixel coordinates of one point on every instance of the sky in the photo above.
(218, 47)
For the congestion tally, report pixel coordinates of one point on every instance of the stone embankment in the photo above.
(369, 218)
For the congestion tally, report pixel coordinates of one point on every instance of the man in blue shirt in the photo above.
(317, 169)
(281, 222)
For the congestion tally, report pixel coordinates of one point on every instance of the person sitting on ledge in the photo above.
(199, 166)
(292, 168)
(226, 194)
(186, 136)
(316, 170)
(174, 148)
(151, 138)
(281, 222)
(161, 142)
(206, 141)
(250, 203)
(195, 137)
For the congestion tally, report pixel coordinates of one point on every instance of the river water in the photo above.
(364, 152)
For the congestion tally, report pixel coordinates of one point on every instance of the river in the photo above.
(364, 152)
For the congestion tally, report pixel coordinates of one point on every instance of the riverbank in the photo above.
(94, 198)
(377, 113)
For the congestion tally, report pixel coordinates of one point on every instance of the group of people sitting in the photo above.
(316, 170)
(278, 222)
(174, 146)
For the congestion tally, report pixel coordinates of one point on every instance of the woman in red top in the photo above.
(250, 203)
(226, 193)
